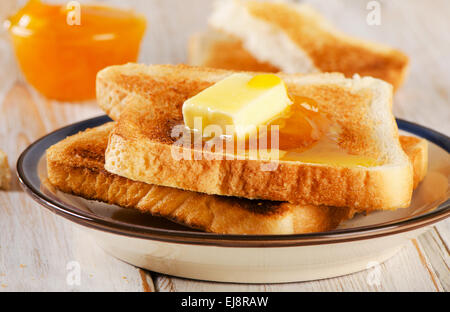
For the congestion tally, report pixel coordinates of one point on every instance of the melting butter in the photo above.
(237, 104)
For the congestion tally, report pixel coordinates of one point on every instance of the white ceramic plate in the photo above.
(159, 245)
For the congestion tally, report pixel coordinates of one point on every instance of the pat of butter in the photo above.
(241, 101)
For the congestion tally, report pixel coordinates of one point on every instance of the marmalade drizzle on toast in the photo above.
(304, 134)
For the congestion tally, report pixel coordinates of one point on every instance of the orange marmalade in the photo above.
(60, 49)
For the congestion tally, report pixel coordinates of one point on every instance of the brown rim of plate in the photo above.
(93, 221)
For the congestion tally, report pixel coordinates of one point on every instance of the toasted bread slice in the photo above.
(141, 146)
(5, 173)
(76, 165)
(296, 39)
(417, 151)
(216, 49)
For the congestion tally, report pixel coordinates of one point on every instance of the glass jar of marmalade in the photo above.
(61, 48)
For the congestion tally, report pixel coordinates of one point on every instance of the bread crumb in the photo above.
(5, 173)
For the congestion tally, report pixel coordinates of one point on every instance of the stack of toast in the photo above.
(289, 37)
(129, 162)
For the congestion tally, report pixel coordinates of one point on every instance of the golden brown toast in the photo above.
(296, 38)
(215, 49)
(140, 146)
(76, 165)
(417, 151)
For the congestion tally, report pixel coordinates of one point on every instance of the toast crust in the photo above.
(76, 165)
(328, 49)
(140, 146)
(417, 151)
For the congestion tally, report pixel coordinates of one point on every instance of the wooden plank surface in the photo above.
(40, 251)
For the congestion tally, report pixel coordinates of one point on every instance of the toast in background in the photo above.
(361, 106)
(5, 173)
(217, 50)
(297, 39)
(76, 165)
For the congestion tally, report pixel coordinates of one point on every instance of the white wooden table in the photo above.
(36, 245)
